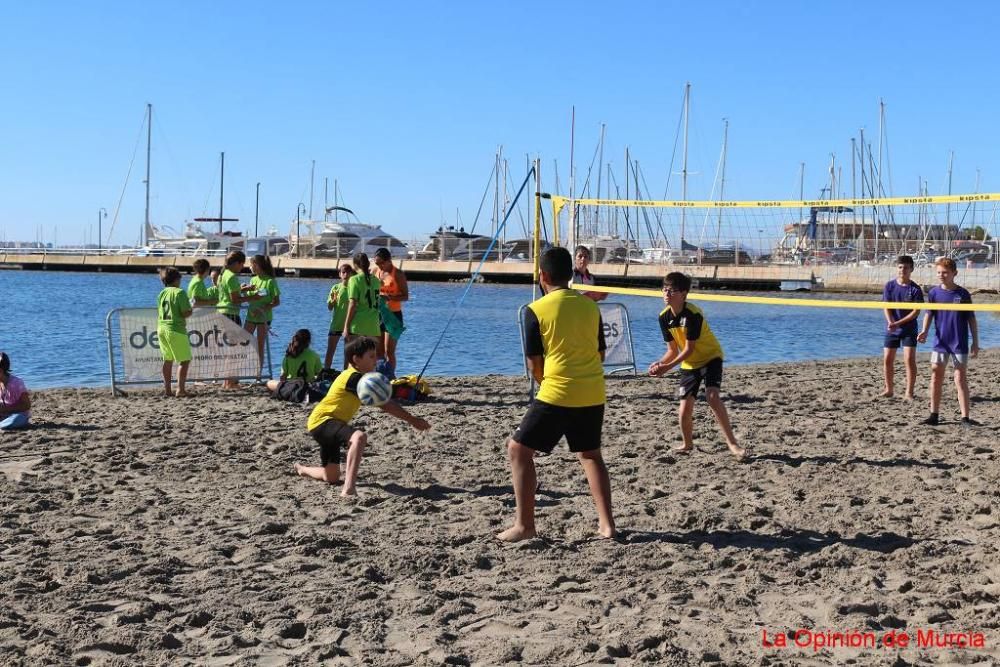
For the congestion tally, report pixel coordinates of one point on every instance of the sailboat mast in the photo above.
(722, 184)
(600, 170)
(326, 199)
(572, 180)
(312, 180)
(684, 169)
(222, 185)
(947, 210)
(149, 150)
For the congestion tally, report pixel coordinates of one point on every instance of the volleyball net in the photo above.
(842, 243)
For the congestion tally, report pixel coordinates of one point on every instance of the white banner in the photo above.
(617, 336)
(220, 348)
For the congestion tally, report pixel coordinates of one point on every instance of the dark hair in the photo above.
(300, 343)
(558, 264)
(235, 257)
(346, 267)
(169, 276)
(678, 281)
(200, 265)
(584, 249)
(361, 261)
(359, 347)
(264, 262)
(905, 259)
(4, 362)
(383, 254)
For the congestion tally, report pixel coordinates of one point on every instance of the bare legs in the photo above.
(261, 329)
(331, 348)
(937, 379)
(962, 387)
(722, 418)
(889, 370)
(390, 349)
(522, 465)
(330, 473)
(168, 375)
(685, 414)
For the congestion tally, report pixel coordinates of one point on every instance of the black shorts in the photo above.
(234, 318)
(904, 338)
(331, 436)
(381, 327)
(690, 381)
(544, 424)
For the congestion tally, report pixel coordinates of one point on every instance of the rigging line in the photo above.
(114, 220)
(486, 193)
(673, 155)
(645, 215)
(475, 274)
(524, 227)
(586, 183)
(659, 225)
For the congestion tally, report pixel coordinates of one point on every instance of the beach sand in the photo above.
(147, 531)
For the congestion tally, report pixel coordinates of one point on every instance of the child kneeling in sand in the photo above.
(173, 307)
(692, 345)
(328, 422)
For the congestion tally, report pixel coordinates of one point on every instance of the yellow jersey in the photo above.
(690, 324)
(340, 403)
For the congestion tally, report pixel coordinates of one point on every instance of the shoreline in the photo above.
(149, 531)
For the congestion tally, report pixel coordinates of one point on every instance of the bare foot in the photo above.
(886, 393)
(167, 393)
(349, 491)
(607, 532)
(738, 452)
(299, 470)
(683, 449)
(516, 533)
(181, 394)
(908, 397)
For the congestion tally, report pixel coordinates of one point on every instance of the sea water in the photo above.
(52, 324)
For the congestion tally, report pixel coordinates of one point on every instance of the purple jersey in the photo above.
(910, 293)
(951, 327)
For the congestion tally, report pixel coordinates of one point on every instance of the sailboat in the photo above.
(195, 240)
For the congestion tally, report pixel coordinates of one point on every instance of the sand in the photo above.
(146, 531)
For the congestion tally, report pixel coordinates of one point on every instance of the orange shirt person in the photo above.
(395, 291)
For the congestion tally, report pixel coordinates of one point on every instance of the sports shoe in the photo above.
(932, 420)
(968, 421)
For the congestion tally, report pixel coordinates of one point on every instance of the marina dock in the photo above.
(836, 277)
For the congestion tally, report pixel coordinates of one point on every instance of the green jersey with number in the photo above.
(171, 306)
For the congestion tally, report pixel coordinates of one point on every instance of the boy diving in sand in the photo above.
(564, 346)
(329, 421)
(692, 345)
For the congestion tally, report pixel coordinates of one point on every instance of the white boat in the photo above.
(328, 238)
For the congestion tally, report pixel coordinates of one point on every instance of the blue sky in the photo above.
(405, 103)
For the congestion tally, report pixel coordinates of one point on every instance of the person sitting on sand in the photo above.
(901, 327)
(329, 421)
(15, 401)
(300, 362)
(692, 345)
(564, 346)
(173, 308)
(951, 339)
(197, 291)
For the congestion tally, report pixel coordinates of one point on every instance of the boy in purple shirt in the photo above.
(15, 401)
(901, 326)
(951, 338)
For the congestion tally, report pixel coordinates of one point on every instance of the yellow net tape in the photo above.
(558, 202)
(789, 301)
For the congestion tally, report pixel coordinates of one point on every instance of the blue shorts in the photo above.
(904, 338)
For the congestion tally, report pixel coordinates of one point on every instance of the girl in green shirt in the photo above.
(362, 318)
(264, 298)
(336, 303)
